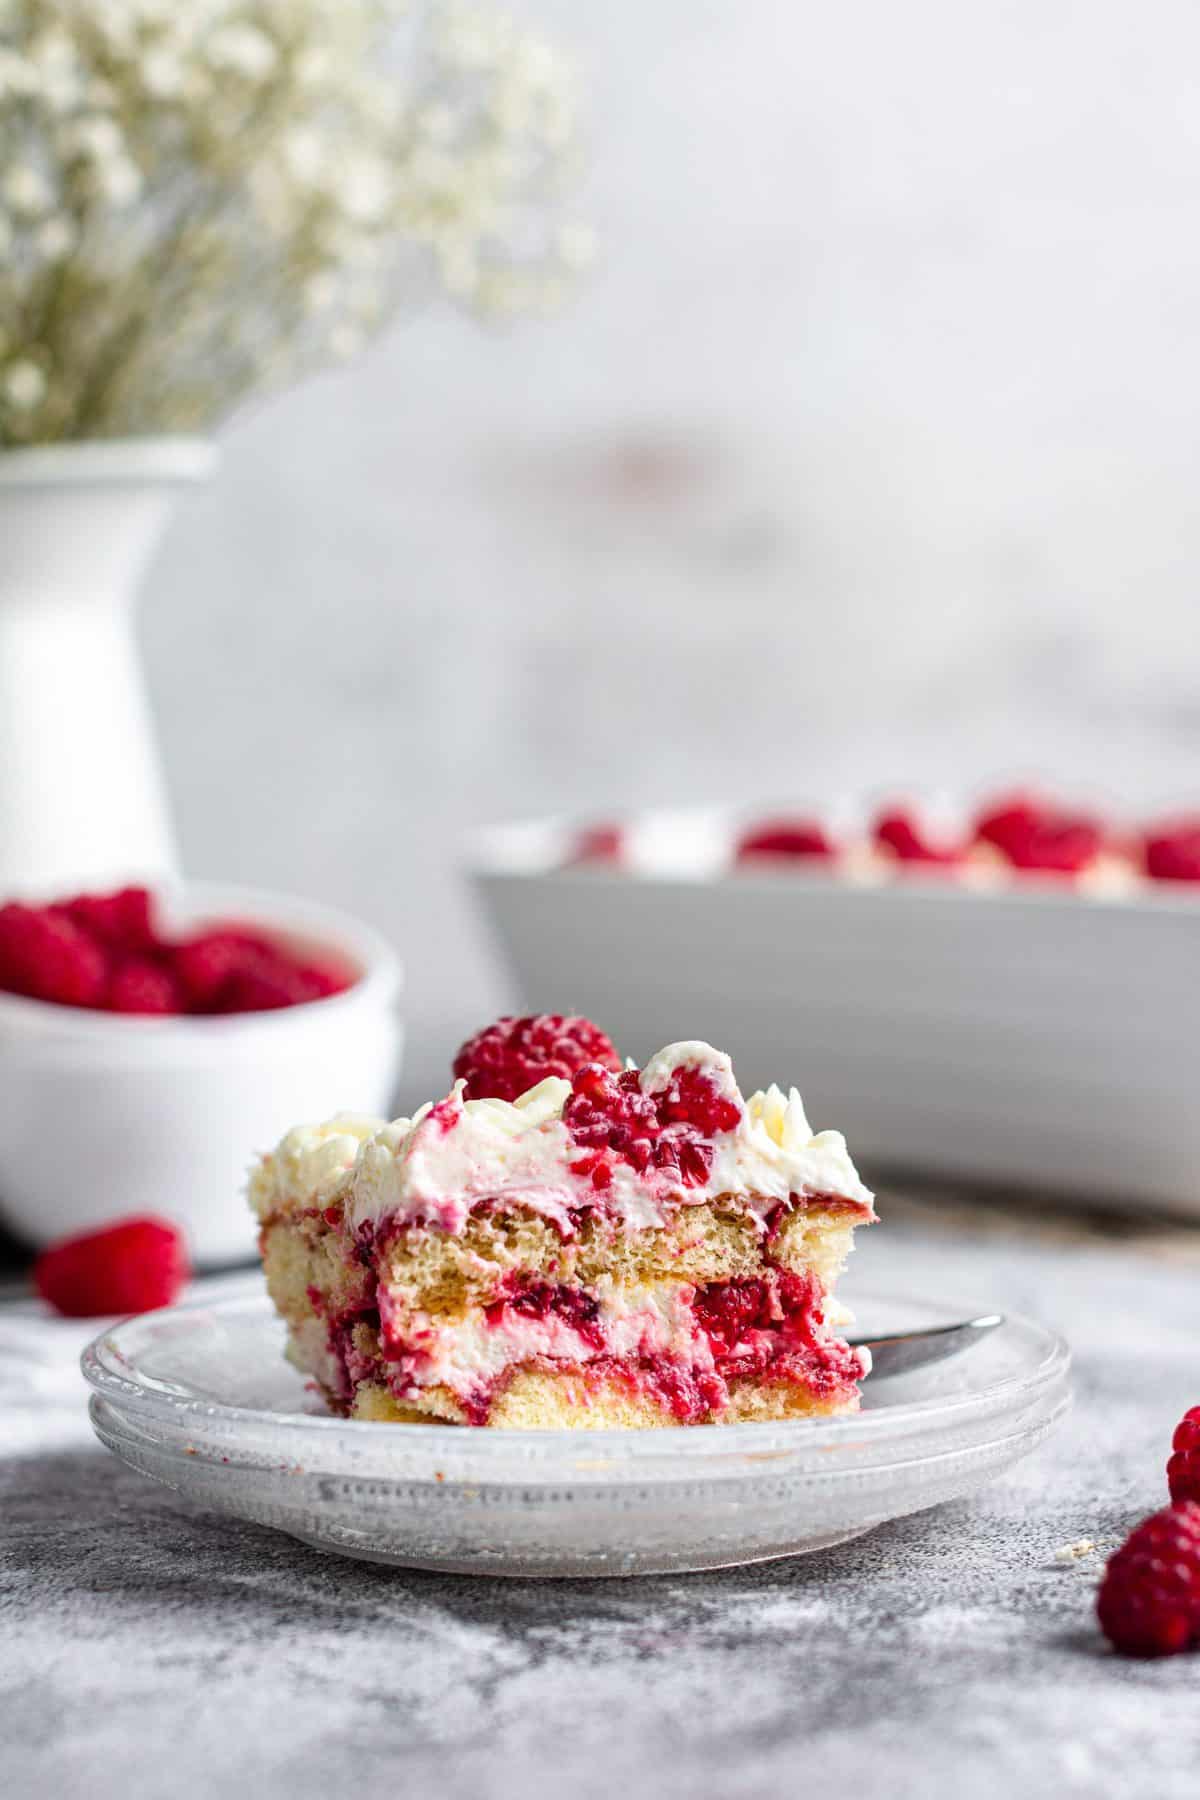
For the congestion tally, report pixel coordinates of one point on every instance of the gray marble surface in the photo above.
(149, 1648)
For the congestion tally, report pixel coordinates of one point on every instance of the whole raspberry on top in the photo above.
(1183, 1470)
(1149, 1599)
(131, 1266)
(507, 1058)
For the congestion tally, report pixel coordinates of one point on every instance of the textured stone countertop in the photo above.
(149, 1648)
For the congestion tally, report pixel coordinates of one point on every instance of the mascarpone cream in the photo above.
(434, 1168)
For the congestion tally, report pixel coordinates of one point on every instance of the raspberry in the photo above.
(267, 982)
(1172, 852)
(507, 1058)
(1183, 1470)
(1034, 836)
(121, 921)
(690, 1098)
(203, 964)
(238, 971)
(324, 979)
(103, 950)
(897, 833)
(1149, 1599)
(780, 1302)
(45, 955)
(726, 1310)
(783, 837)
(607, 1113)
(598, 843)
(138, 986)
(610, 1112)
(131, 1266)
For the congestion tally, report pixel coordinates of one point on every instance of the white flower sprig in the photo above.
(200, 198)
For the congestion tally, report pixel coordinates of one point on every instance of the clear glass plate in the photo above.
(200, 1398)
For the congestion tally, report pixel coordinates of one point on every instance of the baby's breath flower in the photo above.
(23, 385)
(55, 238)
(60, 77)
(313, 66)
(229, 191)
(242, 50)
(95, 135)
(117, 180)
(364, 189)
(306, 155)
(345, 341)
(27, 191)
(18, 77)
(320, 292)
(164, 75)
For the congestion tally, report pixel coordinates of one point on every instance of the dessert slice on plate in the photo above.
(617, 1248)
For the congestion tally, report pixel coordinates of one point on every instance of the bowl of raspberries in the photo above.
(150, 1042)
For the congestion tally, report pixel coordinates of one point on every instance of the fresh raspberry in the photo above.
(610, 1112)
(1172, 852)
(103, 950)
(140, 986)
(238, 971)
(598, 843)
(324, 979)
(121, 921)
(204, 963)
(1183, 1470)
(1034, 836)
(131, 1266)
(691, 1098)
(785, 838)
(897, 832)
(45, 955)
(1149, 1599)
(269, 981)
(610, 1115)
(507, 1058)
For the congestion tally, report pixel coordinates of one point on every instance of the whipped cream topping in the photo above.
(309, 1165)
(434, 1168)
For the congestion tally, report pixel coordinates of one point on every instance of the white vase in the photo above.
(82, 801)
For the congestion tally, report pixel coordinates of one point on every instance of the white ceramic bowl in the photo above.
(103, 1115)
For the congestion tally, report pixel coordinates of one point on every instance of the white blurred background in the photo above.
(866, 459)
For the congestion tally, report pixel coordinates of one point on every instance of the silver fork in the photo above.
(899, 1352)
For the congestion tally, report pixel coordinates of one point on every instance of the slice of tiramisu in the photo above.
(621, 1248)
